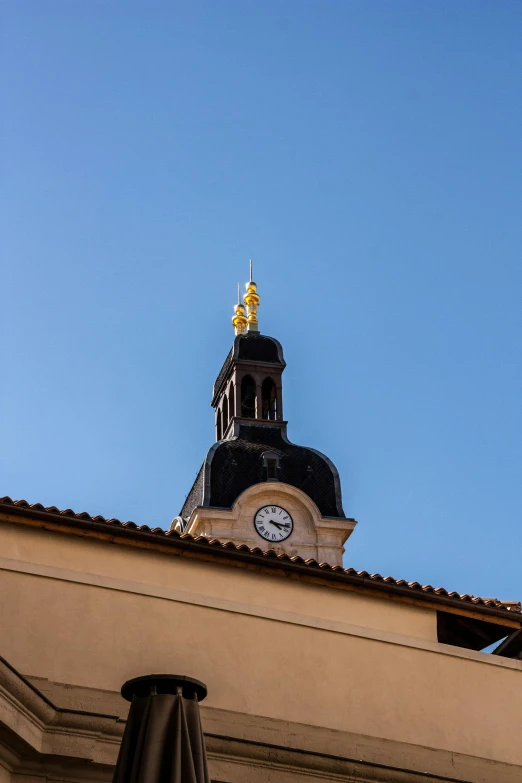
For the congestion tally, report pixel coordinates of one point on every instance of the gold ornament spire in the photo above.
(239, 319)
(251, 300)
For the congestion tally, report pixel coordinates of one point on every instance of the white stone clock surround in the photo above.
(313, 536)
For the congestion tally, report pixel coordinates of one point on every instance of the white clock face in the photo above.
(273, 523)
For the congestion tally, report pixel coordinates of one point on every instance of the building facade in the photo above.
(314, 671)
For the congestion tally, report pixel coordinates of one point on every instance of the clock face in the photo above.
(273, 523)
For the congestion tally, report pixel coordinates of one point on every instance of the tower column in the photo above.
(279, 400)
(259, 400)
(233, 404)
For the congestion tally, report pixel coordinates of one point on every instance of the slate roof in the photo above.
(231, 466)
(255, 554)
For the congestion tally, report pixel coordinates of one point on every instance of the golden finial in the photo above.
(239, 320)
(251, 299)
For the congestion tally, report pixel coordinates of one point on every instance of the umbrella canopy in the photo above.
(163, 740)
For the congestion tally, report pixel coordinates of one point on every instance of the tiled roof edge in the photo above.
(310, 565)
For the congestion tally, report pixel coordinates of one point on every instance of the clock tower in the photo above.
(255, 487)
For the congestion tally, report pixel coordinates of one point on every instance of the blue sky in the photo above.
(367, 156)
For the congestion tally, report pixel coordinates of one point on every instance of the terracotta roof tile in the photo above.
(364, 576)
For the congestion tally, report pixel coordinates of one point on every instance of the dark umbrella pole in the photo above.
(163, 740)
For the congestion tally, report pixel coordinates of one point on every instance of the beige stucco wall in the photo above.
(206, 580)
(74, 611)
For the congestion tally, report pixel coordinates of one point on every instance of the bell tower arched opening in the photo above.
(268, 399)
(248, 397)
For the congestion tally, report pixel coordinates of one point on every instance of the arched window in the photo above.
(268, 397)
(248, 397)
(218, 425)
(225, 412)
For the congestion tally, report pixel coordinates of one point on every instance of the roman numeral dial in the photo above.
(273, 523)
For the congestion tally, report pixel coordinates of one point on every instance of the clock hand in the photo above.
(280, 525)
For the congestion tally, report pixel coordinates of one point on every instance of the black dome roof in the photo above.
(234, 465)
(255, 347)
